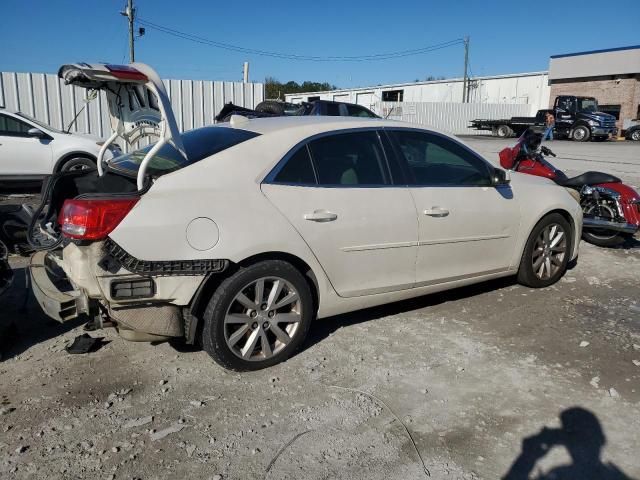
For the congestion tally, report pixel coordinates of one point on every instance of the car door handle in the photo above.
(320, 216)
(437, 212)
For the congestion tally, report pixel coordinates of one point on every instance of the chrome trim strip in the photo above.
(461, 240)
(378, 246)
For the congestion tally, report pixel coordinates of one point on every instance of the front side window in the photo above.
(13, 127)
(435, 160)
(349, 159)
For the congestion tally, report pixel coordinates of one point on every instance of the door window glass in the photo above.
(13, 127)
(358, 111)
(333, 109)
(298, 169)
(349, 159)
(435, 160)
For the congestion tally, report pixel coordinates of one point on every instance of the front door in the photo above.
(467, 227)
(336, 191)
(21, 154)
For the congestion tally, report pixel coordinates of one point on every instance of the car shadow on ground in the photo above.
(581, 434)
(321, 329)
(23, 324)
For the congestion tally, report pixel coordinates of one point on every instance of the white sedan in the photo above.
(243, 234)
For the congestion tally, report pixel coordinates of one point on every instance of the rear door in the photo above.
(20, 153)
(466, 226)
(338, 193)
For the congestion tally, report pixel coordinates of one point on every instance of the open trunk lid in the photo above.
(138, 104)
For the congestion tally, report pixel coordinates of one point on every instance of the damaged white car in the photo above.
(239, 235)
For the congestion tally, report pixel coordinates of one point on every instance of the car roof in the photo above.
(319, 124)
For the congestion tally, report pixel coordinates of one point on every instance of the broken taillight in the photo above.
(93, 219)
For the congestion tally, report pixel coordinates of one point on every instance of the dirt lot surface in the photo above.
(470, 373)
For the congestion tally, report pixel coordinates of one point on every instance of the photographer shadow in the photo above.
(582, 435)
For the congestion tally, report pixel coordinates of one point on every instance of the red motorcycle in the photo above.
(611, 209)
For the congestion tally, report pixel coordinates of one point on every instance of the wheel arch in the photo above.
(69, 155)
(200, 299)
(566, 215)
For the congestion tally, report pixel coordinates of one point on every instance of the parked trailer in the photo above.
(505, 128)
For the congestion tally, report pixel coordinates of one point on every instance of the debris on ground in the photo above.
(85, 344)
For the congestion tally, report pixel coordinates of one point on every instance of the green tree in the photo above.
(276, 89)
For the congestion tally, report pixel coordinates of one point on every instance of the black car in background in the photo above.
(276, 108)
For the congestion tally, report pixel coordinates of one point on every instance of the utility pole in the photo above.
(465, 84)
(245, 72)
(130, 13)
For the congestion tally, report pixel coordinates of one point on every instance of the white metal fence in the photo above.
(450, 117)
(46, 98)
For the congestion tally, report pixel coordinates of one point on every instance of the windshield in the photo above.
(199, 144)
(587, 104)
(39, 123)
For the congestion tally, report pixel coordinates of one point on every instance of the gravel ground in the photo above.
(469, 373)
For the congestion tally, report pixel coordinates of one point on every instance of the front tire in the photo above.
(581, 134)
(546, 254)
(258, 317)
(635, 136)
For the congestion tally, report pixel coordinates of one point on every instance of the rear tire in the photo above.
(244, 322)
(504, 131)
(581, 134)
(546, 253)
(271, 106)
(78, 163)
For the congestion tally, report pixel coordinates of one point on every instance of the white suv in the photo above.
(238, 235)
(30, 149)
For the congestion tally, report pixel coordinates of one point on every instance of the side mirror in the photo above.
(500, 177)
(37, 133)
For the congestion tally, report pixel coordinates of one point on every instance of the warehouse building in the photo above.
(524, 88)
(611, 76)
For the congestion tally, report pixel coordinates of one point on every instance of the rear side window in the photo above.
(198, 144)
(358, 111)
(298, 169)
(349, 159)
(332, 109)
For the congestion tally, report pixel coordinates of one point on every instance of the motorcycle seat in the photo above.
(590, 178)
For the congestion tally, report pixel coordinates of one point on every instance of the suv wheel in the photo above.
(78, 163)
(258, 317)
(635, 135)
(546, 253)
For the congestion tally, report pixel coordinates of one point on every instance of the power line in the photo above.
(287, 56)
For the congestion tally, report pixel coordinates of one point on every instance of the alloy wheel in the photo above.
(262, 319)
(549, 251)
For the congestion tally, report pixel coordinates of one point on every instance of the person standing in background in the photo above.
(550, 121)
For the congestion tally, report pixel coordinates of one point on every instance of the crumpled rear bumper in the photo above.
(52, 290)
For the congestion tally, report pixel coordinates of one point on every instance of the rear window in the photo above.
(198, 144)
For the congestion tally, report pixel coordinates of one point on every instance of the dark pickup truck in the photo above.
(576, 118)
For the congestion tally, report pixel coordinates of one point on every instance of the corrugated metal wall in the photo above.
(450, 117)
(528, 88)
(46, 98)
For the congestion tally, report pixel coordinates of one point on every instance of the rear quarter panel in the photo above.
(226, 189)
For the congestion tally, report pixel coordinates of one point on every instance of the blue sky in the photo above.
(506, 36)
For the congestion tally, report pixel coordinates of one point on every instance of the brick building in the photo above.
(611, 76)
